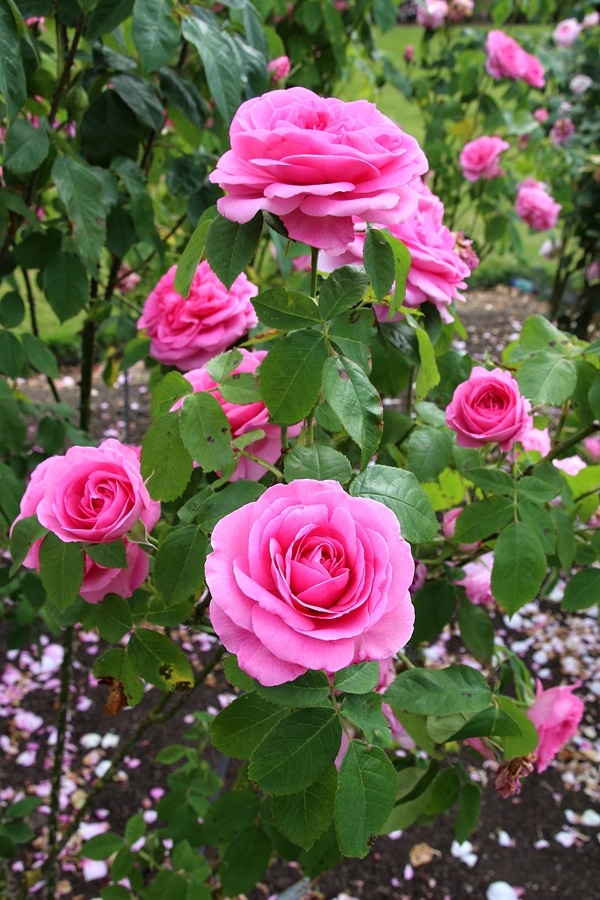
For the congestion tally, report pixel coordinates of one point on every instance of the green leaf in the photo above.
(12, 74)
(353, 334)
(444, 793)
(101, 846)
(437, 692)
(538, 333)
(24, 534)
(356, 403)
(469, 803)
(241, 726)
(191, 256)
(582, 590)
(205, 431)
(81, 192)
(155, 33)
(12, 310)
(364, 711)
(230, 246)
(61, 570)
(217, 505)
(476, 629)
(168, 390)
(116, 664)
(428, 375)
(39, 356)
(479, 520)
(401, 492)
(284, 309)
(108, 132)
(342, 290)
(65, 284)
(160, 661)
(106, 16)
(229, 815)
(12, 427)
(429, 452)
(244, 861)
(311, 689)
(357, 679)
(594, 395)
(540, 523)
(165, 463)
(135, 828)
(434, 606)
(141, 98)
(547, 378)
(12, 357)
(297, 751)
(365, 797)
(290, 376)
(111, 555)
(492, 481)
(113, 616)
(490, 721)
(179, 564)
(533, 488)
(241, 387)
(318, 462)
(26, 147)
(303, 817)
(526, 740)
(224, 364)
(217, 52)
(519, 567)
(565, 538)
(402, 263)
(379, 263)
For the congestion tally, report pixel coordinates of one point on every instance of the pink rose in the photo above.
(245, 417)
(488, 408)
(536, 439)
(570, 465)
(566, 32)
(507, 59)
(409, 53)
(432, 14)
(541, 115)
(592, 445)
(188, 332)
(535, 205)
(480, 158)
(98, 581)
(477, 581)
(590, 20)
(561, 131)
(556, 713)
(437, 271)
(592, 273)
(308, 577)
(316, 163)
(579, 84)
(279, 67)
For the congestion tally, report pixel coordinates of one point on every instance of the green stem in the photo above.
(404, 659)
(57, 765)
(314, 257)
(34, 327)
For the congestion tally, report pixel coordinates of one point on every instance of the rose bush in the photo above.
(309, 578)
(188, 331)
(488, 407)
(316, 163)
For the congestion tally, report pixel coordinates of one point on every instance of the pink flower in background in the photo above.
(432, 14)
(460, 9)
(477, 581)
(579, 84)
(507, 59)
(561, 131)
(535, 205)
(245, 417)
(566, 32)
(541, 115)
(488, 408)
(409, 53)
(308, 577)
(592, 273)
(464, 248)
(437, 271)
(536, 439)
(98, 581)
(481, 158)
(570, 465)
(316, 163)
(127, 279)
(590, 20)
(556, 713)
(187, 332)
(592, 445)
(279, 67)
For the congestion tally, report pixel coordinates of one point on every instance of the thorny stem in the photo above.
(57, 765)
(156, 716)
(563, 418)
(34, 327)
(88, 343)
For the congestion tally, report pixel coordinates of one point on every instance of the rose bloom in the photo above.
(590, 20)
(409, 53)
(480, 158)
(94, 495)
(592, 273)
(279, 67)
(566, 32)
(541, 115)
(592, 445)
(536, 439)
(488, 408)
(556, 713)
(561, 131)
(188, 332)
(244, 417)
(579, 84)
(432, 14)
(507, 59)
(477, 581)
(316, 163)
(460, 9)
(437, 271)
(307, 577)
(535, 205)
